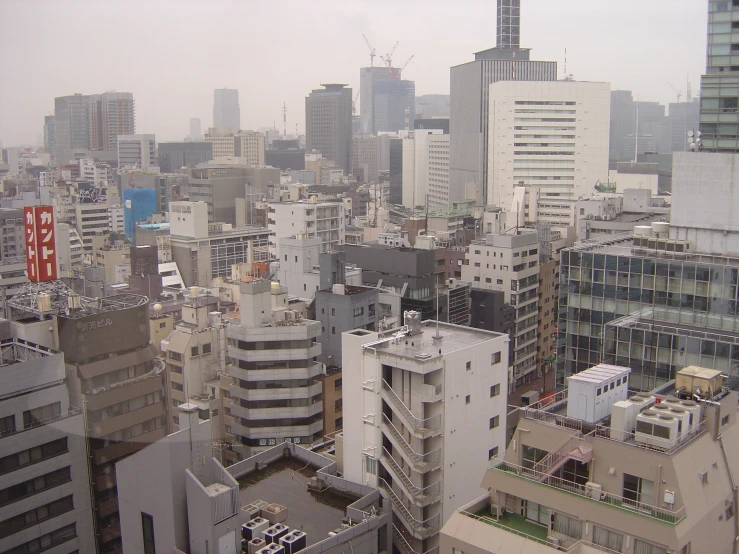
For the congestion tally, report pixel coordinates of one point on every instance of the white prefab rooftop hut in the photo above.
(591, 393)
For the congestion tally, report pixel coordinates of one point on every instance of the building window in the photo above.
(177, 387)
(457, 551)
(495, 358)
(35, 516)
(467, 399)
(33, 455)
(194, 351)
(476, 279)
(163, 324)
(339, 423)
(492, 453)
(494, 422)
(609, 539)
(337, 384)
(729, 512)
(494, 390)
(530, 456)
(724, 421)
(47, 541)
(338, 404)
(565, 525)
(28, 488)
(37, 415)
(468, 366)
(488, 280)
(147, 527)
(333, 311)
(7, 425)
(637, 489)
(206, 348)
(642, 547)
(176, 420)
(333, 330)
(176, 356)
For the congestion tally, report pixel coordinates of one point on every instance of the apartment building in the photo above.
(222, 141)
(195, 354)
(412, 401)
(91, 220)
(510, 263)
(272, 358)
(44, 472)
(546, 330)
(112, 373)
(324, 220)
(592, 470)
(365, 158)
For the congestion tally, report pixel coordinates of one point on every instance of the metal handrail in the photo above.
(629, 438)
(431, 423)
(429, 525)
(672, 517)
(415, 490)
(404, 545)
(72, 411)
(433, 456)
(494, 523)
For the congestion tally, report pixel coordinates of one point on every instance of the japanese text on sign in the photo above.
(40, 243)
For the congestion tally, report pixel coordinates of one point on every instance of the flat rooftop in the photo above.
(285, 482)
(422, 347)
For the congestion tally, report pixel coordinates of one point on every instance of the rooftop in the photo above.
(285, 482)
(423, 347)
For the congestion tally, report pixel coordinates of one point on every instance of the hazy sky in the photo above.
(172, 53)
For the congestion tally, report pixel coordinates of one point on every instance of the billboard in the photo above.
(40, 243)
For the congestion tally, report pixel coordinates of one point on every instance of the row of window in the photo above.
(33, 486)
(33, 455)
(37, 515)
(47, 541)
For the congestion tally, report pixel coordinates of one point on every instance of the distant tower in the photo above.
(508, 33)
(196, 132)
(226, 112)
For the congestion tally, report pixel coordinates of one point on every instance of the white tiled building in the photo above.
(323, 220)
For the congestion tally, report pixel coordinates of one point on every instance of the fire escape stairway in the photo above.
(570, 449)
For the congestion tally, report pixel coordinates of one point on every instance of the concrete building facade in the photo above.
(250, 145)
(425, 169)
(176, 155)
(137, 151)
(324, 220)
(404, 408)
(365, 158)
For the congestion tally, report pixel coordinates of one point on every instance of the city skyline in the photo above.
(642, 60)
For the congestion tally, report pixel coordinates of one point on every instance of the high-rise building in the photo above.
(45, 484)
(368, 77)
(49, 134)
(137, 151)
(117, 117)
(249, 145)
(430, 396)
(324, 220)
(176, 155)
(394, 105)
(663, 296)
(395, 165)
(263, 415)
(425, 173)
(226, 111)
(432, 105)
(621, 126)
(365, 158)
(682, 118)
(328, 124)
(112, 374)
(470, 114)
(510, 263)
(719, 117)
(196, 133)
(72, 125)
(575, 117)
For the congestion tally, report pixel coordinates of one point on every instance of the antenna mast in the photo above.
(284, 120)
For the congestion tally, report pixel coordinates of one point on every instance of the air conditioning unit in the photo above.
(593, 490)
(275, 533)
(254, 529)
(272, 549)
(294, 541)
(553, 541)
(255, 545)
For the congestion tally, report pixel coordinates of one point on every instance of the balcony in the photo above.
(423, 462)
(36, 424)
(421, 496)
(107, 507)
(111, 532)
(624, 505)
(422, 427)
(420, 529)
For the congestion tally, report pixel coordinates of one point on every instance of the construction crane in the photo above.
(388, 58)
(403, 66)
(354, 104)
(679, 94)
(371, 50)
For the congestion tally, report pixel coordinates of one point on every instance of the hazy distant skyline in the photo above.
(172, 54)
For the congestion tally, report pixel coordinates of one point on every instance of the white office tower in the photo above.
(425, 174)
(424, 410)
(196, 132)
(137, 151)
(551, 138)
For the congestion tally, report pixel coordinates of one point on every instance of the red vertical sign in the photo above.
(40, 243)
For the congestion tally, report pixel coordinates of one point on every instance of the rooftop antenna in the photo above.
(284, 120)
(565, 64)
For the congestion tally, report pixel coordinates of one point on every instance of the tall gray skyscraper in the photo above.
(682, 117)
(470, 96)
(328, 123)
(719, 118)
(368, 76)
(394, 105)
(196, 132)
(72, 123)
(49, 134)
(226, 111)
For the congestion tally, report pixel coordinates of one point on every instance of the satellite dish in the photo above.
(690, 134)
